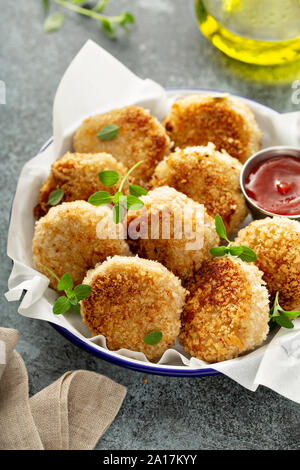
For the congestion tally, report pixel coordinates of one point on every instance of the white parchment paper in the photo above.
(96, 82)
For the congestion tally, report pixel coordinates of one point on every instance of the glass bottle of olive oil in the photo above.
(262, 32)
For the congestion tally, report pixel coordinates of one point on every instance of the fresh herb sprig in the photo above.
(92, 10)
(153, 338)
(70, 301)
(120, 201)
(243, 252)
(280, 316)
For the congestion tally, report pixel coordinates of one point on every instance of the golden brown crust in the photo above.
(130, 298)
(210, 178)
(227, 122)
(176, 250)
(276, 241)
(226, 313)
(77, 175)
(140, 137)
(67, 239)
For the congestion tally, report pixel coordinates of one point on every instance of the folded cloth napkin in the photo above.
(70, 414)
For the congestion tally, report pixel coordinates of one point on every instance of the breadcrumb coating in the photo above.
(68, 239)
(226, 121)
(130, 298)
(276, 241)
(209, 177)
(77, 175)
(185, 246)
(140, 137)
(227, 312)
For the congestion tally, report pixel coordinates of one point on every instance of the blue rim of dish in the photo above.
(173, 371)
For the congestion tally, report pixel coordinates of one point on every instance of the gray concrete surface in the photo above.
(165, 45)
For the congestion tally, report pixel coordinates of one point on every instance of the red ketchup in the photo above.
(274, 185)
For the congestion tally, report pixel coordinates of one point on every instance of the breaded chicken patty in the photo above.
(130, 298)
(209, 177)
(276, 241)
(72, 238)
(77, 175)
(227, 312)
(172, 229)
(140, 137)
(226, 121)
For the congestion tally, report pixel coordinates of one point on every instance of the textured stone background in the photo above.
(165, 45)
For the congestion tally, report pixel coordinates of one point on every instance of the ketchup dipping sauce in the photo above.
(274, 185)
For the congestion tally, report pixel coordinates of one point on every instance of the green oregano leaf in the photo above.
(218, 251)
(61, 305)
(247, 254)
(82, 291)
(133, 203)
(100, 198)
(235, 250)
(282, 320)
(66, 282)
(220, 227)
(110, 30)
(54, 22)
(136, 190)
(153, 338)
(126, 18)
(108, 132)
(108, 177)
(55, 197)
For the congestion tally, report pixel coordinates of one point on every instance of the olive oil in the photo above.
(262, 32)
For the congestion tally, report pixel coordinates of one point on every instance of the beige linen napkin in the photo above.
(72, 413)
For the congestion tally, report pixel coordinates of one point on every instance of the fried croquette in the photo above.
(140, 137)
(77, 175)
(172, 229)
(276, 241)
(209, 177)
(226, 121)
(130, 298)
(227, 312)
(72, 238)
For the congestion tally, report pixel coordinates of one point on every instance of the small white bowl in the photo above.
(262, 156)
